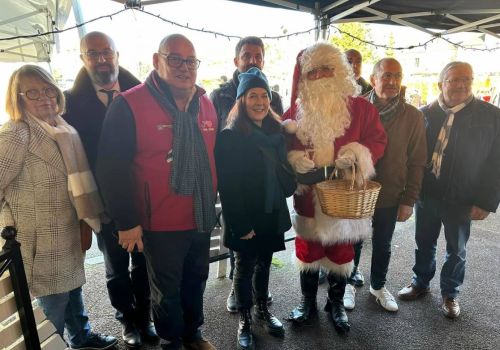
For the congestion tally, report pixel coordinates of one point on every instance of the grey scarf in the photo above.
(190, 175)
(387, 111)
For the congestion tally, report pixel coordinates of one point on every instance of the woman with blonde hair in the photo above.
(47, 191)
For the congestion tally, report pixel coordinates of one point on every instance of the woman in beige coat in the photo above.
(45, 191)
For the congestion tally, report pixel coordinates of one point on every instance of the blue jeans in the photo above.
(430, 215)
(66, 309)
(384, 222)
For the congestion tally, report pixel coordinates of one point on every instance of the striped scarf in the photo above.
(444, 134)
(191, 174)
(82, 188)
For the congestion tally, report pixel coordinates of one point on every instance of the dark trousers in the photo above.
(128, 290)
(384, 223)
(430, 215)
(178, 264)
(251, 277)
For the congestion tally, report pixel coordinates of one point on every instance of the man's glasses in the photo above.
(388, 76)
(177, 61)
(94, 55)
(456, 81)
(34, 94)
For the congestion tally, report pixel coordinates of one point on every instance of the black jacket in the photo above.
(470, 169)
(85, 112)
(224, 98)
(241, 179)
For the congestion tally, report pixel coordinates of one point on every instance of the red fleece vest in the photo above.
(159, 208)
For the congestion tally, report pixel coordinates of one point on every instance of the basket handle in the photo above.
(353, 179)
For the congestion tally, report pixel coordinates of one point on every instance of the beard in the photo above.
(104, 77)
(323, 112)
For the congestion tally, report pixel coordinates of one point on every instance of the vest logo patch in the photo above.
(161, 127)
(207, 125)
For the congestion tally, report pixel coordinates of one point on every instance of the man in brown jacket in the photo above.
(399, 171)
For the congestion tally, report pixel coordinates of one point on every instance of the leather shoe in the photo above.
(412, 292)
(231, 302)
(450, 307)
(131, 336)
(198, 344)
(148, 332)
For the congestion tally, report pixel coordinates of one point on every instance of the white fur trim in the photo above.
(343, 270)
(363, 158)
(290, 126)
(328, 230)
(293, 156)
(302, 189)
(323, 156)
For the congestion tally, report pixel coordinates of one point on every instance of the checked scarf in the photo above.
(386, 111)
(444, 134)
(190, 175)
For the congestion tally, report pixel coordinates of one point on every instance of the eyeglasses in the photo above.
(388, 76)
(319, 72)
(94, 55)
(34, 94)
(177, 61)
(456, 81)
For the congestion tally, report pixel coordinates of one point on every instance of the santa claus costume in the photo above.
(330, 128)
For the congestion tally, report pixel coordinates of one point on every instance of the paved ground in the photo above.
(417, 325)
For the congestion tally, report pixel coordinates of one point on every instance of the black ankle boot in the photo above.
(338, 315)
(304, 311)
(335, 305)
(245, 337)
(307, 306)
(267, 319)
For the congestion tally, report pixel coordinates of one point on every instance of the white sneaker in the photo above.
(349, 297)
(384, 298)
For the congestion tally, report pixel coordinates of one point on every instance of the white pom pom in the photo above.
(290, 126)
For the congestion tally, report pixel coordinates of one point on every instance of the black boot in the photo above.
(245, 337)
(307, 306)
(268, 320)
(335, 305)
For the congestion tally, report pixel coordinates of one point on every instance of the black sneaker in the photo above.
(97, 341)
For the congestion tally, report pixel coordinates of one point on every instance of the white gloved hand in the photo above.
(303, 165)
(346, 160)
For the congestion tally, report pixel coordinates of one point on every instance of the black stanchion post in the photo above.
(11, 255)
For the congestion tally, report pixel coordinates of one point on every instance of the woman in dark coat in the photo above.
(254, 180)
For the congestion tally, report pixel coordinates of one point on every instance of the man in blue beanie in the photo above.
(249, 52)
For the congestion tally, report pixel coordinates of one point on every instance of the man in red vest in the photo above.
(157, 175)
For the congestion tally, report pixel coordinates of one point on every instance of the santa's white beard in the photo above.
(323, 112)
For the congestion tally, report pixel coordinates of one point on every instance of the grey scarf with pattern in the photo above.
(386, 111)
(191, 174)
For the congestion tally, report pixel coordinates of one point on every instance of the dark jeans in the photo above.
(384, 222)
(430, 215)
(357, 255)
(251, 277)
(128, 290)
(178, 264)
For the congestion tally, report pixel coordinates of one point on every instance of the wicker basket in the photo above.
(343, 199)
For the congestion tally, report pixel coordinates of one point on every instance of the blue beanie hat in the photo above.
(252, 78)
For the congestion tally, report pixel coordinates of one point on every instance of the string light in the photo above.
(231, 36)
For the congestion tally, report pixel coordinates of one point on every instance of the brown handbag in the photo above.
(86, 235)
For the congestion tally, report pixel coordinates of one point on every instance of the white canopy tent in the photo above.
(26, 18)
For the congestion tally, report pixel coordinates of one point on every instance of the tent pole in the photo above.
(77, 11)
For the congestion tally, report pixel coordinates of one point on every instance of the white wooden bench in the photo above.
(18, 317)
